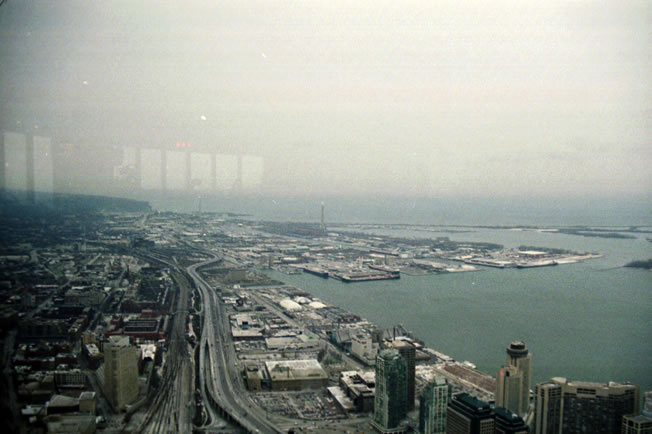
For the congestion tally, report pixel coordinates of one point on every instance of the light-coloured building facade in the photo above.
(363, 347)
(120, 371)
(513, 379)
(509, 381)
(296, 374)
(636, 425)
(547, 408)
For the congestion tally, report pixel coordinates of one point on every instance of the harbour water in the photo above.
(587, 321)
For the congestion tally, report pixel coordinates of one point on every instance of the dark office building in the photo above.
(467, 415)
(409, 353)
(391, 391)
(507, 422)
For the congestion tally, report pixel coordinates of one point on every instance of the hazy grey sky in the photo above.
(433, 98)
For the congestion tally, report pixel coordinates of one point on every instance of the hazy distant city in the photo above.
(325, 217)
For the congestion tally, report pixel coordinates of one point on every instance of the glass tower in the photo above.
(432, 407)
(391, 390)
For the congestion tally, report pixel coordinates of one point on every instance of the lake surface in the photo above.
(431, 211)
(588, 321)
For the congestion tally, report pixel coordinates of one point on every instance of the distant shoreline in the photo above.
(645, 265)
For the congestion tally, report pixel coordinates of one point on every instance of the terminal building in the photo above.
(296, 374)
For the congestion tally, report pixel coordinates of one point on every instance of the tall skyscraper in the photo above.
(120, 371)
(547, 408)
(433, 405)
(513, 379)
(564, 406)
(467, 415)
(391, 391)
(508, 388)
(409, 353)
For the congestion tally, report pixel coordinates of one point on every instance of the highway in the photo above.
(221, 386)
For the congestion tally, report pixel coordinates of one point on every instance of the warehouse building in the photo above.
(296, 374)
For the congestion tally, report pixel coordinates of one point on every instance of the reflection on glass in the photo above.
(15, 161)
(43, 170)
(150, 170)
(200, 171)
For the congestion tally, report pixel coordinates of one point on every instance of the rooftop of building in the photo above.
(62, 401)
(439, 381)
(639, 419)
(389, 354)
(517, 349)
(119, 341)
(400, 344)
(470, 402)
(507, 415)
(295, 369)
(591, 384)
(87, 395)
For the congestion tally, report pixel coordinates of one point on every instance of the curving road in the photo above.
(219, 379)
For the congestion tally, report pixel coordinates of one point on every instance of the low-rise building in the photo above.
(361, 388)
(296, 374)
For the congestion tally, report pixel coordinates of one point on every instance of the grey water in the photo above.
(414, 210)
(589, 321)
